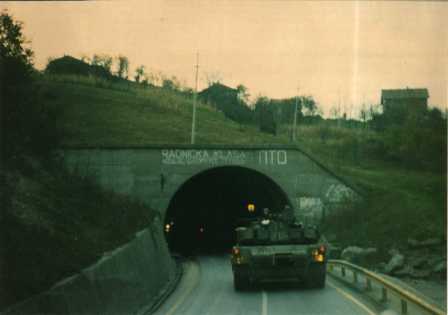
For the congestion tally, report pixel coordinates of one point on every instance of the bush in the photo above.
(419, 143)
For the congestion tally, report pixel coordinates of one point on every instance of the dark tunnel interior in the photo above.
(203, 214)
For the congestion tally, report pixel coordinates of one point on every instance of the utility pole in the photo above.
(295, 117)
(338, 119)
(195, 95)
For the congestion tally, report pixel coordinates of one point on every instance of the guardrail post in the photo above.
(404, 307)
(343, 271)
(368, 285)
(384, 295)
(355, 277)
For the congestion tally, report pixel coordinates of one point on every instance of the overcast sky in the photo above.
(335, 51)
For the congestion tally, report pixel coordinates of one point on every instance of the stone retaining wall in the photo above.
(122, 282)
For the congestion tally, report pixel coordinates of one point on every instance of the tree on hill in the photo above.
(364, 114)
(145, 81)
(271, 112)
(243, 93)
(123, 67)
(284, 109)
(12, 40)
(103, 60)
(107, 63)
(27, 125)
(416, 141)
(139, 73)
(171, 83)
(309, 107)
(84, 58)
(265, 115)
(226, 100)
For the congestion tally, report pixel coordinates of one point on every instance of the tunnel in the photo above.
(204, 212)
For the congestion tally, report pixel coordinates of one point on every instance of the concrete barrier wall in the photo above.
(122, 282)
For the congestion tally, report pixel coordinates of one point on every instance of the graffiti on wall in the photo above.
(339, 193)
(309, 209)
(273, 157)
(217, 157)
(193, 157)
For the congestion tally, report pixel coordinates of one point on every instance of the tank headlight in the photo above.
(251, 207)
(319, 258)
(318, 254)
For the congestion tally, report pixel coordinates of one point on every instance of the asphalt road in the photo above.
(207, 288)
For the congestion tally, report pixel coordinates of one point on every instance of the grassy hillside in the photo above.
(401, 203)
(96, 112)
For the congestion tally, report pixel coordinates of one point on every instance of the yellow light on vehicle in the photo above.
(251, 207)
(167, 228)
(318, 256)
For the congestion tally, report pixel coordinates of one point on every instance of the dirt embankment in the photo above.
(53, 224)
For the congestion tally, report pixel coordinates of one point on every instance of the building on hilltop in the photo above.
(404, 101)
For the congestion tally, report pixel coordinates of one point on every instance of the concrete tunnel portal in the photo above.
(210, 186)
(203, 213)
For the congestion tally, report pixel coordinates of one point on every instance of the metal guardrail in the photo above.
(386, 286)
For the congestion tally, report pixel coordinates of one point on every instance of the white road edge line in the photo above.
(264, 303)
(351, 298)
(186, 293)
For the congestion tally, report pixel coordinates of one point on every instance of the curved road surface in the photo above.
(207, 288)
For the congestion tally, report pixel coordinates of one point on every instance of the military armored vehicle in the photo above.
(278, 248)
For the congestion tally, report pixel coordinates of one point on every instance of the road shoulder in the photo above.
(186, 286)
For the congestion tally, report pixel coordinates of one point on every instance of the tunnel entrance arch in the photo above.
(204, 211)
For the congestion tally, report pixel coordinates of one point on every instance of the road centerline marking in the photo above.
(264, 303)
(351, 298)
